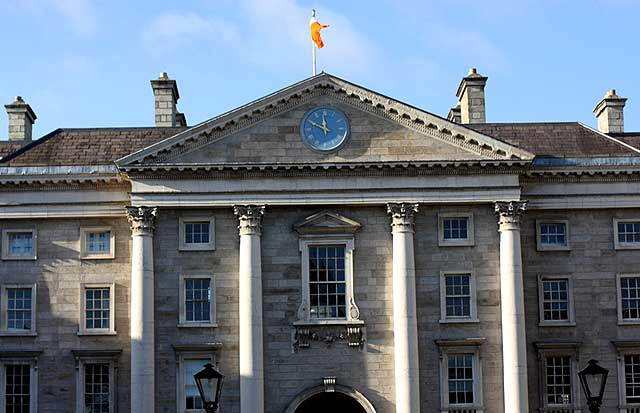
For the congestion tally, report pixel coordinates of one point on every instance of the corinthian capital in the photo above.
(142, 219)
(250, 217)
(510, 212)
(402, 216)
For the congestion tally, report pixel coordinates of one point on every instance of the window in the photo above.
(628, 374)
(197, 306)
(555, 300)
(626, 234)
(95, 380)
(18, 393)
(455, 229)
(197, 233)
(19, 244)
(191, 359)
(97, 309)
(457, 297)
(552, 235)
(628, 298)
(558, 374)
(97, 243)
(460, 373)
(18, 309)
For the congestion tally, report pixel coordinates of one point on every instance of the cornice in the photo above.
(22, 184)
(580, 175)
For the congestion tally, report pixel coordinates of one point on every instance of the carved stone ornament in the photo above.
(329, 384)
(351, 335)
(250, 217)
(402, 215)
(510, 212)
(142, 219)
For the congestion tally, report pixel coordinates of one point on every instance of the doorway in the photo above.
(330, 402)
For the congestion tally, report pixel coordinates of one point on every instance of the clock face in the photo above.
(324, 129)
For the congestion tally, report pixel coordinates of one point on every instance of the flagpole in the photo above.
(313, 49)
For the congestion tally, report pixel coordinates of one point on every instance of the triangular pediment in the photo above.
(326, 222)
(265, 131)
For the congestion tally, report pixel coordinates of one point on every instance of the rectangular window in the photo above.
(460, 374)
(630, 298)
(460, 379)
(17, 397)
(555, 300)
(196, 233)
(18, 309)
(626, 233)
(97, 243)
(558, 380)
(632, 378)
(97, 309)
(192, 398)
(191, 359)
(97, 394)
(19, 244)
(327, 282)
(458, 297)
(552, 235)
(197, 308)
(455, 229)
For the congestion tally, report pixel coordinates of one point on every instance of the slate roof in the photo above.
(8, 147)
(96, 146)
(560, 139)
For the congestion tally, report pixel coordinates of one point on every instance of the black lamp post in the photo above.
(209, 382)
(593, 379)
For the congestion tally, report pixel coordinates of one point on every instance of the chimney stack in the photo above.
(454, 114)
(21, 120)
(166, 95)
(471, 98)
(610, 113)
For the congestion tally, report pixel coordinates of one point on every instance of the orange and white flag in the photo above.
(315, 28)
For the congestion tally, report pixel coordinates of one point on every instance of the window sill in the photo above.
(465, 243)
(12, 258)
(97, 257)
(328, 322)
(97, 333)
(462, 409)
(550, 248)
(629, 323)
(627, 246)
(558, 324)
(18, 334)
(459, 320)
(204, 247)
(200, 325)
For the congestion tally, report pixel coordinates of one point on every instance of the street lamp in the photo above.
(593, 379)
(209, 382)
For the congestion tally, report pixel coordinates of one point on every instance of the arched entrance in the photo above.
(343, 400)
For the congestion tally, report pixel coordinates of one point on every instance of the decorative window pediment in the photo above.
(325, 223)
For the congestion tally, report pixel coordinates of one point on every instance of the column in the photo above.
(142, 220)
(514, 344)
(251, 353)
(405, 324)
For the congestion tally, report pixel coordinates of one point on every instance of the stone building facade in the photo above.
(324, 246)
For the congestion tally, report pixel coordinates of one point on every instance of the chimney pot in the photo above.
(471, 98)
(165, 91)
(21, 120)
(610, 113)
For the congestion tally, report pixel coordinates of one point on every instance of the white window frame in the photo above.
(559, 349)
(473, 317)
(623, 245)
(470, 241)
(111, 331)
(85, 254)
(552, 247)
(6, 255)
(461, 346)
(4, 311)
(181, 357)
(26, 357)
(625, 348)
(84, 357)
(570, 310)
(209, 246)
(182, 318)
(621, 321)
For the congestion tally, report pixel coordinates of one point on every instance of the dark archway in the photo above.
(330, 402)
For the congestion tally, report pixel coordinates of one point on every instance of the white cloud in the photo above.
(80, 14)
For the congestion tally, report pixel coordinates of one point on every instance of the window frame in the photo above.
(617, 245)
(4, 311)
(84, 357)
(624, 348)
(84, 250)
(21, 357)
(6, 255)
(185, 219)
(473, 300)
(468, 242)
(111, 331)
(619, 277)
(183, 354)
(559, 349)
(471, 346)
(552, 247)
(570, 298)
(182, 311)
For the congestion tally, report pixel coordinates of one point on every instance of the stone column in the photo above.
(514, 343)
(142, 220)
(405, 323)
(251, 342)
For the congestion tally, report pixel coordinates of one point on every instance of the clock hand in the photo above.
(323, 127)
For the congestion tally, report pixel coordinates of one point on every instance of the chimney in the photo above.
(454, 114)
(166, 95)
(471, 97)
(610, 113)
(21, 120)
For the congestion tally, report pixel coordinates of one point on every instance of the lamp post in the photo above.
(593, 379)
(209, 382)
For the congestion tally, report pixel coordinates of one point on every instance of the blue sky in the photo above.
(87, 63)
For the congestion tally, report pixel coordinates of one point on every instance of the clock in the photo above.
(324, 129)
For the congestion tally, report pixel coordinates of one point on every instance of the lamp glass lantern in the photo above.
(209, 382)
(593, 379)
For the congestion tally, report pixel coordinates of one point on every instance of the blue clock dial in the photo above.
(324, 129)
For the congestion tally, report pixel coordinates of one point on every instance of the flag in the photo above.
(315, 31)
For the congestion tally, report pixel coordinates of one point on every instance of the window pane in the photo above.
(96, 388)
(20, 243)
(198, 299)
(555, 299)
(327, 284)
(630, 297)
(455, 228)
(629, 232)
(99, 242)
(97, 308)
(460, 378)
(191, 393)
(558, 380)
(632, 378)
(553, 233)
(17, 388)
(196, 232)
(19, 308)
(458, 295)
